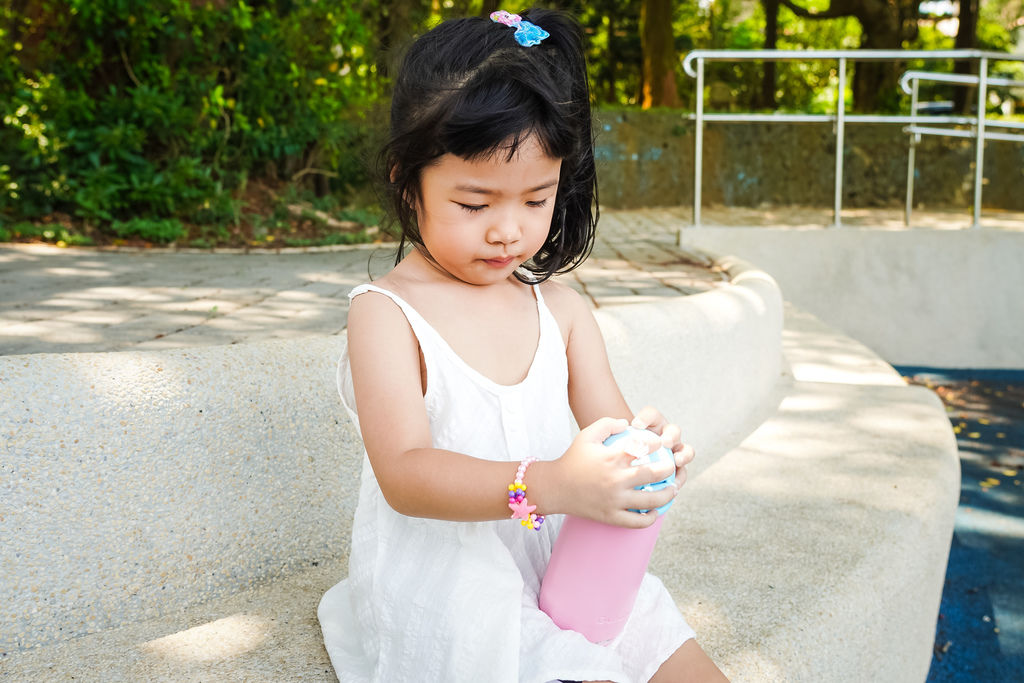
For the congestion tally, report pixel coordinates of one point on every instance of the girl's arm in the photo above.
(421, 481)
(416, 479)
(593, 391)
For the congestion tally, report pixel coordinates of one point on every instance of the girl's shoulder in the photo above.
(558, 293)
(565, 303)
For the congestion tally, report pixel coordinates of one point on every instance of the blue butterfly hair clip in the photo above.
(527, 34)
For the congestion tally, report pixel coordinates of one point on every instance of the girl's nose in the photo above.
(505, 230)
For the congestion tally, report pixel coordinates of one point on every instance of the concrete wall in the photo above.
(948, 299)
(136, 484)
(646, 159)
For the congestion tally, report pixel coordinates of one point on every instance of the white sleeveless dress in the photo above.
(429, 600)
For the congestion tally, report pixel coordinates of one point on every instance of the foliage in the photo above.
(124, 117)
(117, 108)
(161, 231)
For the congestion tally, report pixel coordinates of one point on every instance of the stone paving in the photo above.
(75, 300)
(78, 300)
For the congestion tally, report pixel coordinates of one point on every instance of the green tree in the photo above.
(886, 25)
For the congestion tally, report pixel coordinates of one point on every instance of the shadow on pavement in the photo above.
(980, 632)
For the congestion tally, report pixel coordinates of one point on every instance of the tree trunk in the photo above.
(613, 58)
(771, 34)
(659, 55)
(966, 39)
(872, 81)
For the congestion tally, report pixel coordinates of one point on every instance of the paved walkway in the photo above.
(68, 300)
(74, 300)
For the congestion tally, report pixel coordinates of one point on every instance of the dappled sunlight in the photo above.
(340, 279)
(298, 295)
(812, 403)
(68, 301)
(61, 333)
(989, 523)
(900, 419)
(217, 640)
(817, 353)
(77, 271)
(865, 448)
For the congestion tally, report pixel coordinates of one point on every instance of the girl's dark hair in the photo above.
(468, 88)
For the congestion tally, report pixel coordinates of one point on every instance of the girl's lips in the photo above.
(499, 262)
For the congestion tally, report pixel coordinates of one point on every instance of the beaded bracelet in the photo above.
(517, 502)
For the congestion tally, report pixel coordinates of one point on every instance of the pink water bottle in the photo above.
(595, 569)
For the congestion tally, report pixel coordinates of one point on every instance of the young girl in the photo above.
(466, 365)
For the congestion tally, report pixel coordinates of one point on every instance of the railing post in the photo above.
(911, 155)
(979, 151)
(698, 144)
(837, 220)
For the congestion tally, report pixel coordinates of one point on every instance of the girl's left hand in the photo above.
(652, 419)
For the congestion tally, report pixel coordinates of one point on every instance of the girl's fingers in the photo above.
(643, 500)
(670, 437)
(685, 455)
(603, 428)
(642, 475)
(648, 417)
(650, 500)
(634, 520)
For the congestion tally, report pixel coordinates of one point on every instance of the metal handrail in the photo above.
(962, 79)
(853, 55)
(693, 65)
(909, 82)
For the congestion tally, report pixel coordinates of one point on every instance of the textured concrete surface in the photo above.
(813, 551)
(144, 482)
(940, 298)
(141, 482)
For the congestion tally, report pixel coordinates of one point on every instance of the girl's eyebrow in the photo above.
(476, 189)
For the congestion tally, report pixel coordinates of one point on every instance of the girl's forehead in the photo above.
(528, 168)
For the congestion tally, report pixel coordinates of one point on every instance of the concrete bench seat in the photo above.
(808, 545)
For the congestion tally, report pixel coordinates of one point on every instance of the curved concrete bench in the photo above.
(138, 484)
(814, 550)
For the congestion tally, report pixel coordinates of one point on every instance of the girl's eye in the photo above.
(472, 208)
(539, 204)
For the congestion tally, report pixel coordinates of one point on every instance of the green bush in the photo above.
(160, 231)
(111, 109)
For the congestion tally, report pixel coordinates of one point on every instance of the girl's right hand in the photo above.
(599, 482)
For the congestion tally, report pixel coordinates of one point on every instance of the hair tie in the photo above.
(527, 34)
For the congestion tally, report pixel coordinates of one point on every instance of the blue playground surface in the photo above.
(980, 631)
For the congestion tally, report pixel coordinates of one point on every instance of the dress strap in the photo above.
(420, 327)
(437, 350)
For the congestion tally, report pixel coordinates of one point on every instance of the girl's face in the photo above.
(480, 220)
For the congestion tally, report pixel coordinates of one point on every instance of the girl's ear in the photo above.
(393, 179)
